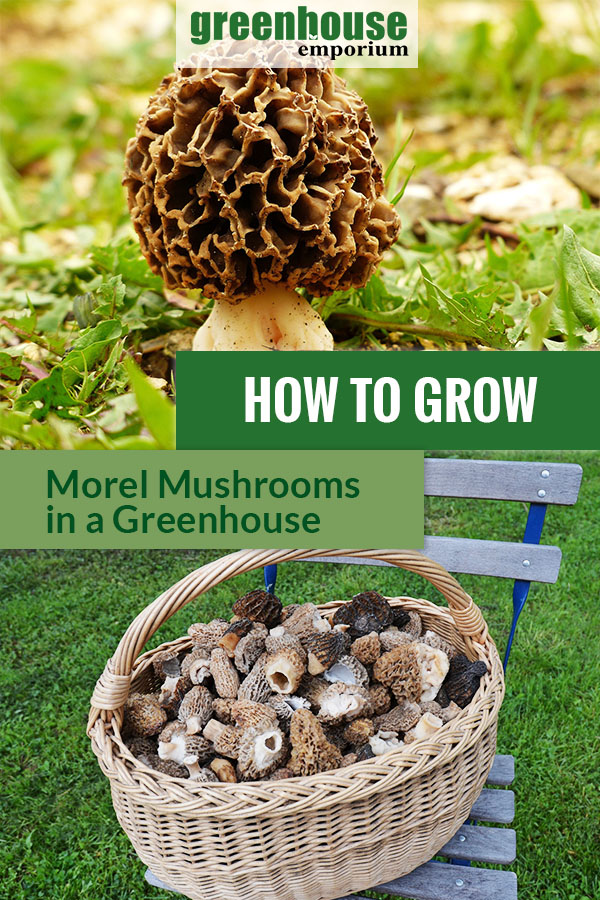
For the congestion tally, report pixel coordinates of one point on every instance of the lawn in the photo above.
(63, 614)
(506, 85)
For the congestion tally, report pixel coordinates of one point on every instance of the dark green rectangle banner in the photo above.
(372, 400)
(172, 499)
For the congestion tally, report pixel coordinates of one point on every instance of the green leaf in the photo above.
(89, 348)
(155, 409)
(52, 393)
(582, 273)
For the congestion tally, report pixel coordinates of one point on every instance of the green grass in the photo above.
(63, 614)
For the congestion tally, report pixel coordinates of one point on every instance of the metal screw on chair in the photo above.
(461, 838)
(526, 563)
(459, 882)
(545, 473)
(541, 493)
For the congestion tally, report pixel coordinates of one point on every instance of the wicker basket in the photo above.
(313, 838)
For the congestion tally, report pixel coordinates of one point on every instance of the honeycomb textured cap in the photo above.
(237, 179)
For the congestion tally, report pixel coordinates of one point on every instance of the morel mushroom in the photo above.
(251, 183)
(311, 751)
(143, 715)
(463, 679)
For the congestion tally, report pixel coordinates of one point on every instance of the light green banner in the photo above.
(211, 498)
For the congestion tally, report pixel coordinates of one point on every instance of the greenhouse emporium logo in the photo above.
(276, 33)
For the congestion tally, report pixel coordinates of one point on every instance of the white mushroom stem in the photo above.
(193, 767)
(384, 741)
(213, 730)
(266, 746)
(200, 670)
(426, 727)
(278, 319)
(173, 749)
(193, 725)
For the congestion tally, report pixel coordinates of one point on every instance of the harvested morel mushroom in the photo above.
(365, 613)
(284, 670)
(463, 679)
(236, 631)
(255, 685)
(400, 670)
(196, 709)
(143, 715)
(367, 649)
(311, 751)
(251, 183)
(325, 649)
(261, 750)
(224, 673)
(250, 648)
(196, 665)
(259, 606)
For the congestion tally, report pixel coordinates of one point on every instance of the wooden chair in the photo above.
(540, 485)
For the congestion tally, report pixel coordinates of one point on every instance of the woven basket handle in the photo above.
(113, 686)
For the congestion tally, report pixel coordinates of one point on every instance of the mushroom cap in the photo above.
(366, 612)
(367, 649)
(143, 715)
(196, 708)
(224, 673)
(240, 178)
(259, 606)
(255, 685)
(250, 648)
(400, 670)
(311, 751)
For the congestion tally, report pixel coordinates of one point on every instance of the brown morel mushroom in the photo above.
(255, 685)
(380, 697)
(196, 665)
(400, 670)
(207, 634)
(261, 750)
(366, 612)
(324, 649)
(249, 714)
(348, 670)
(224, 738)
(250, 648)
(259, 606)
(224, 673)
(143, 715)
(284, 670)
(359, 731)
(236, 631)
(463, 679)
(400, 718)
(250, 183)
(196, 709)
(367, 649)
(186, 749)
(311, 751)
(304, 620)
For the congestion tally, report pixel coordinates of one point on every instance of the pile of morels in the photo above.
(280, 692)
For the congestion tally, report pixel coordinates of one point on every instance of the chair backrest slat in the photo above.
(503, 480)
(500, 559)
